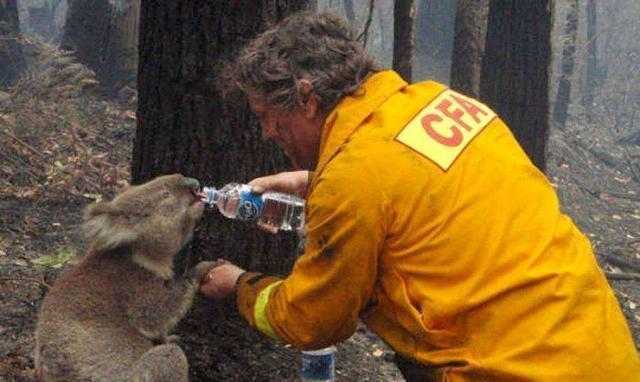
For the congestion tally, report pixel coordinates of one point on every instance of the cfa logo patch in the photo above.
(445, 127)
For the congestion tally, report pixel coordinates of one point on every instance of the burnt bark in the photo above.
(468, 46)
(404, 37)
(12, 62)
(104, 37)
(87, 33)
(121, 55)
(185, 126)
(515, 70)
(563, 98)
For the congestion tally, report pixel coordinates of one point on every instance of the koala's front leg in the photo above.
(158, 308)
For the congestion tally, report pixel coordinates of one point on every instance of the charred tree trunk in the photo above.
(563, 98)
(184, 126)
(468, 46)
(591, 77)
(104, 37)
(404, 37)
(87, 33)
(350, 11)
(11, 57)
(121, 55)
(515, 69)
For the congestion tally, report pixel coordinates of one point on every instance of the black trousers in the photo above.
(413, 371)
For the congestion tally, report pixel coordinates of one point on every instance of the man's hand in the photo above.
(220, 281)
(292, 182)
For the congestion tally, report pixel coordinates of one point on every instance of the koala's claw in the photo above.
(171, 339)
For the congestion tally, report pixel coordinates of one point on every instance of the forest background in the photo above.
(97, 94)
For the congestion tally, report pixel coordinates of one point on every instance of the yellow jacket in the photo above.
(428, 222)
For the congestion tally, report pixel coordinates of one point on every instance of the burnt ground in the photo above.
(57, 156)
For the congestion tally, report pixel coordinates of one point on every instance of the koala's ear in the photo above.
(106, 227)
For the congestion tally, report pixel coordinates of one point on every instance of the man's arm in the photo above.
(319, 303)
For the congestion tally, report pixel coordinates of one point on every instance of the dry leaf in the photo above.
(20, 262)
(130, 114)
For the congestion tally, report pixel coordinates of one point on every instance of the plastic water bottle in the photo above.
(319, 365)
(273, 209)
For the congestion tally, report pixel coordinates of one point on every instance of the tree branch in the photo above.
(41, 282)
(365, 32)
(622, 276)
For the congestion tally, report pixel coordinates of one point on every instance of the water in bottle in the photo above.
(271, 209)
(319, 365)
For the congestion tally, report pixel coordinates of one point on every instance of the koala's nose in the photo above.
(191, 183)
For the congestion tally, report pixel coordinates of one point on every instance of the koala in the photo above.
(109, 319)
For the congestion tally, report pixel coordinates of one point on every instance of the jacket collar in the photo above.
(352, 110)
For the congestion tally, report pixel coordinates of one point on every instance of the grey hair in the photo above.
(320, 48)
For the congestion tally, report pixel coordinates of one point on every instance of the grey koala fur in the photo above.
(101, 320)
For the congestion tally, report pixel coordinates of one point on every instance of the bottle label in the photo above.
(250, 206)
(318, 367)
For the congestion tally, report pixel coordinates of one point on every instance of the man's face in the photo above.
(297, 132)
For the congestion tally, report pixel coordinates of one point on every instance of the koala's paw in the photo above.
(201, 269)
(165, 339)
(171, 339)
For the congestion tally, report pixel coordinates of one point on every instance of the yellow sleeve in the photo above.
(318, 304)
(253, 291)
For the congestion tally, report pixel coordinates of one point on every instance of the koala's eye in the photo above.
(165, 194)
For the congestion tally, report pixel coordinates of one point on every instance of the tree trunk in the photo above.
(184, 126)
(350, 12)
(515, 67)
(468, 46)
(41, 19)
(563, 99)
(104, 37)
(591, 77)
(122, 51)
(404, 37)
(11, 57)
(87, 34)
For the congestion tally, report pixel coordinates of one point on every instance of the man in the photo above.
(425, 220)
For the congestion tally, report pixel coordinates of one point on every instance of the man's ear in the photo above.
(308, 100)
